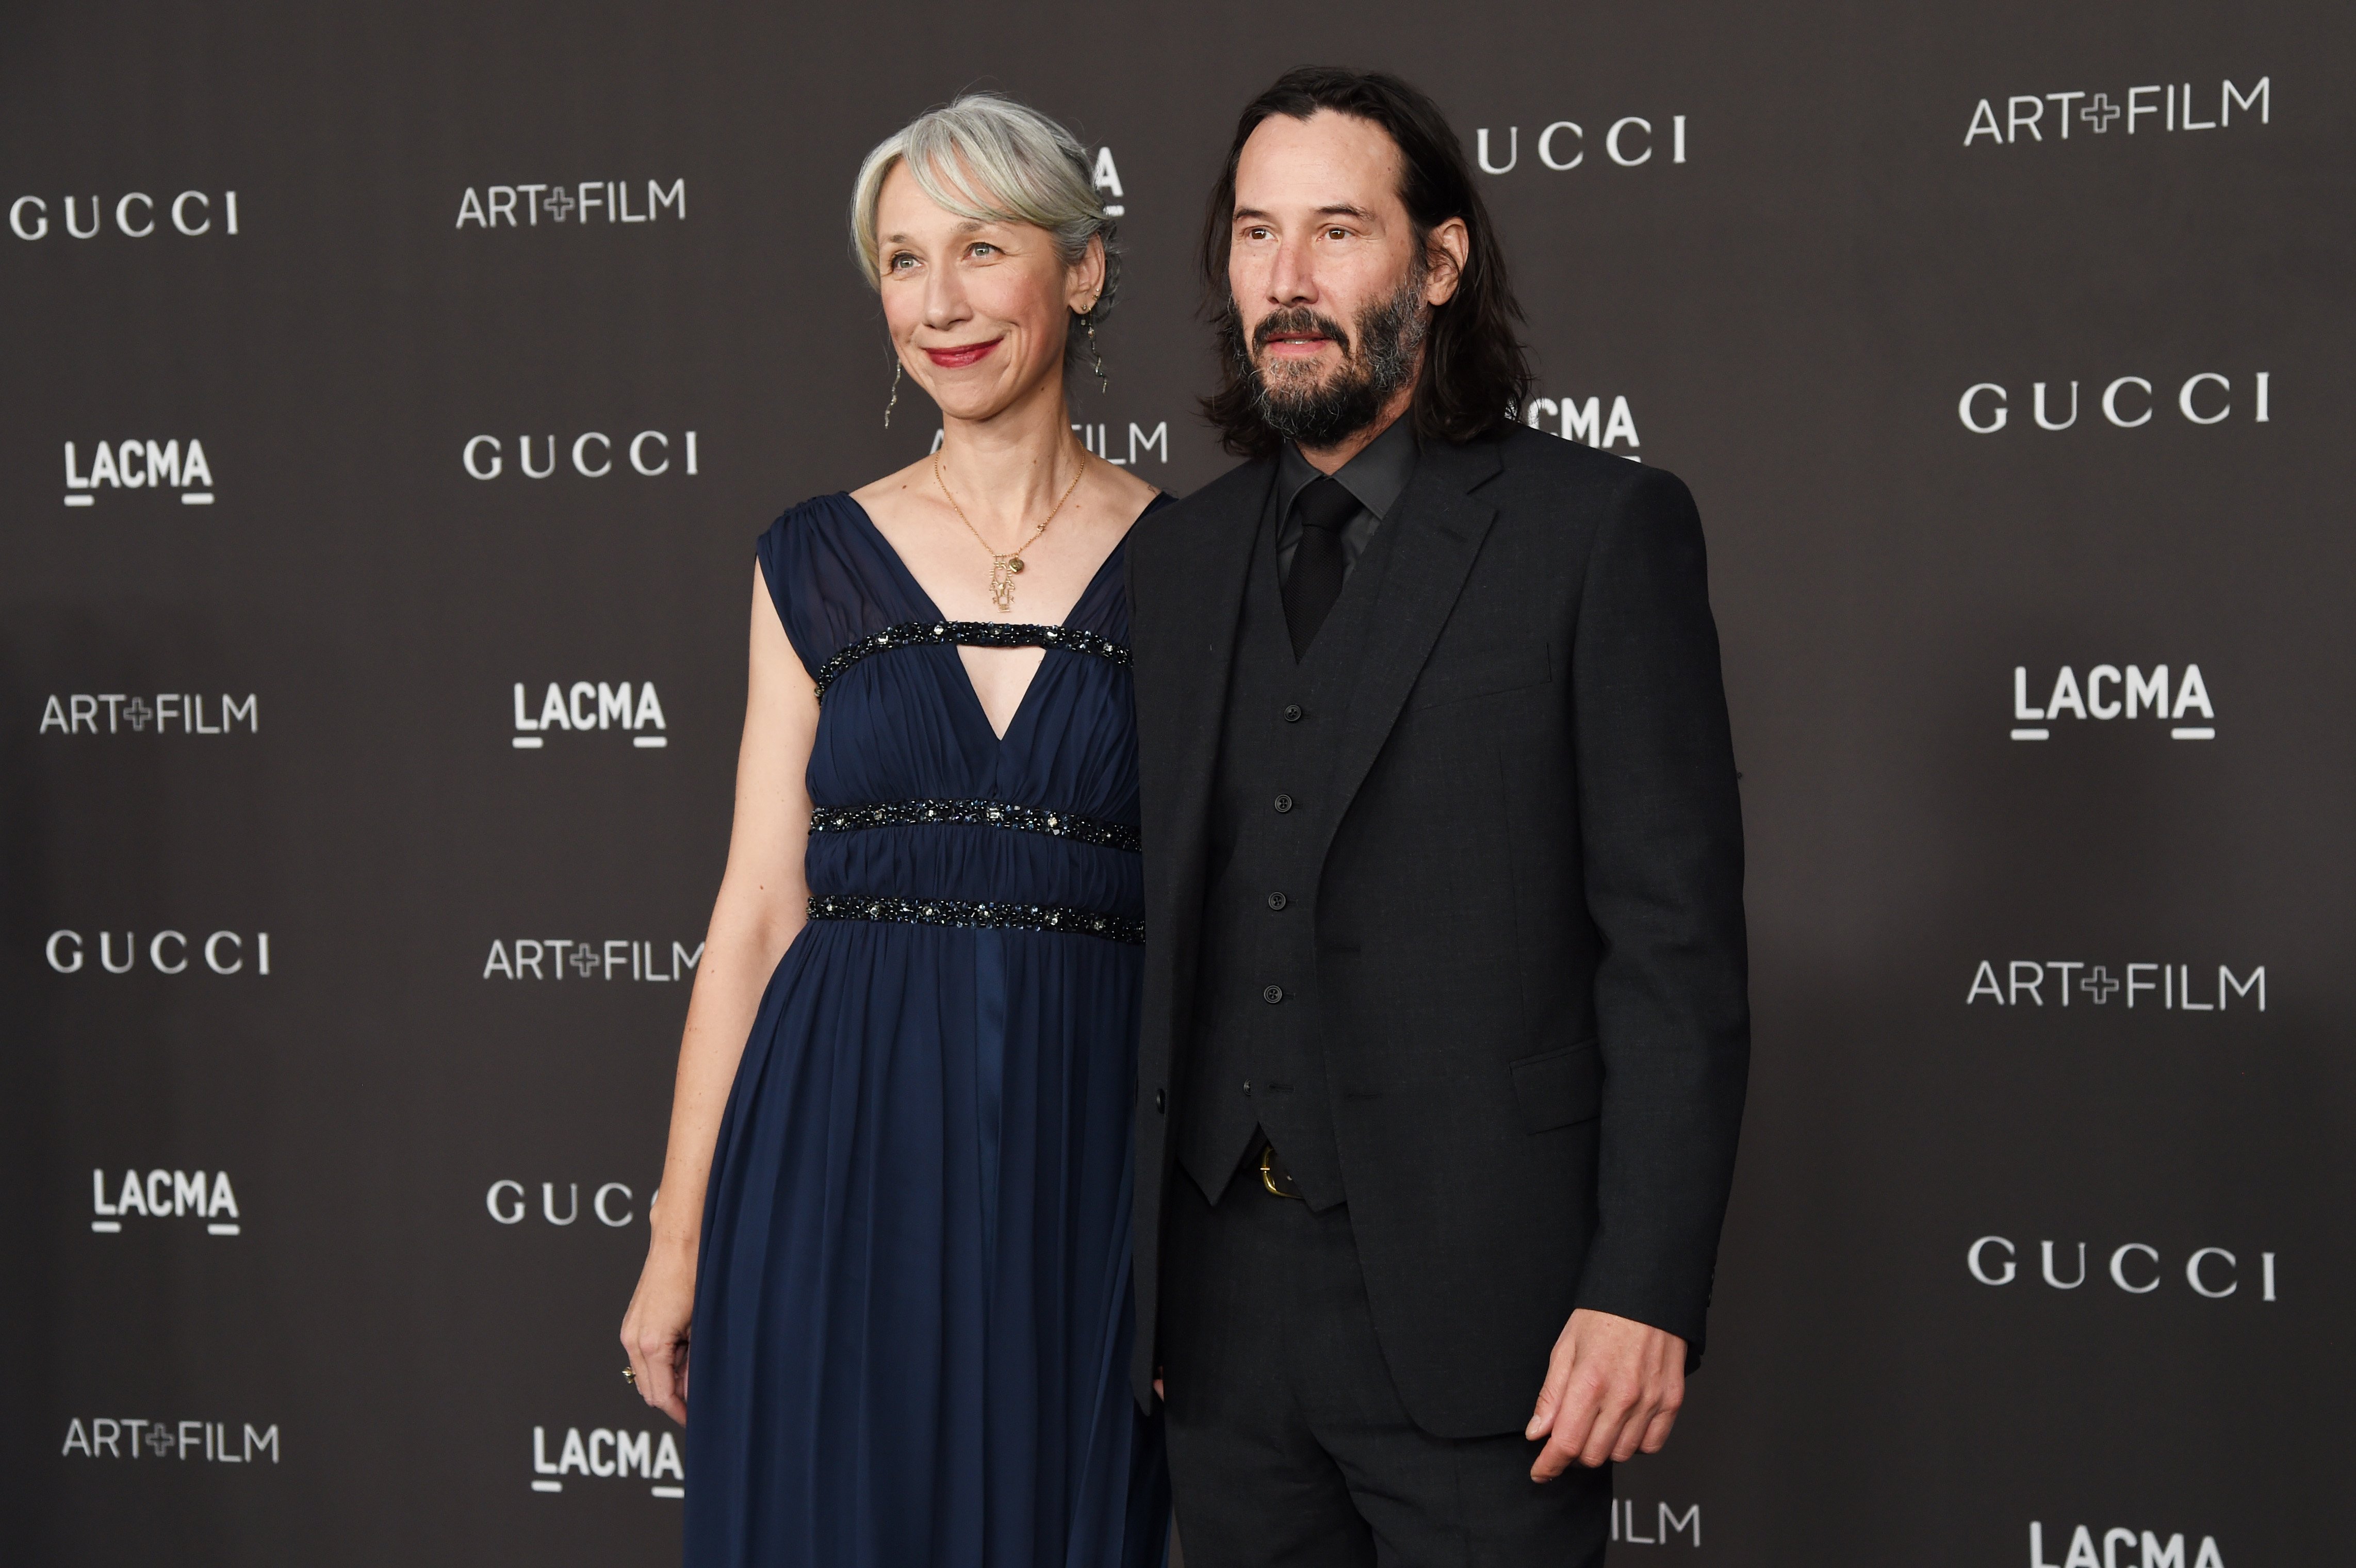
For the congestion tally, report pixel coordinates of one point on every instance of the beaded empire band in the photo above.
(978, 915)
(974, 813)
(972, 634)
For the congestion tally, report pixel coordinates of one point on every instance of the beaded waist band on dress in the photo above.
(978, 915)
(974, 813)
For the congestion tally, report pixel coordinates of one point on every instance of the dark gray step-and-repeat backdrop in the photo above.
(394, 396)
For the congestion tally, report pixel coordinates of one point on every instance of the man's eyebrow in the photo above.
(1332, 210)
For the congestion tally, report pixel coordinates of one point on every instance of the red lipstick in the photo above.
(958, 358)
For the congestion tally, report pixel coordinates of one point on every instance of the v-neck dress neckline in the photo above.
(931, 609)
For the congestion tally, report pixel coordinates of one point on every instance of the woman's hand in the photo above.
(654, 1329)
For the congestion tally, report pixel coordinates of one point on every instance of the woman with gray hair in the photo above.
(894, 1224)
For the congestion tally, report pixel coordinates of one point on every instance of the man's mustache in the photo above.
(1299, 321)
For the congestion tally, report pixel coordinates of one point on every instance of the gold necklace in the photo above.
(1003, 569)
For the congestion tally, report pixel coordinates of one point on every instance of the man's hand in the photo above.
(1612, 1386)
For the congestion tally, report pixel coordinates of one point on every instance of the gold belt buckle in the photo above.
(1274, 1177)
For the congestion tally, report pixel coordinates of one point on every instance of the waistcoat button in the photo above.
(1273, 995)
(1277, 900)
(1284, 802)
(1292, 713)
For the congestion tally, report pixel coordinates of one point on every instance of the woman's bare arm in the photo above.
(763, 902)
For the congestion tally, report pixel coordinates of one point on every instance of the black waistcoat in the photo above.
(1259, 1065)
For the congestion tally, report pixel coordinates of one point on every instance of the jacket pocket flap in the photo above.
(1487, 672)
(1560, 1088)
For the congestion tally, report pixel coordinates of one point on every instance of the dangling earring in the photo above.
(1089, 322)
(896, 393)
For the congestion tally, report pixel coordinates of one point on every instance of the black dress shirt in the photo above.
(1375, 476)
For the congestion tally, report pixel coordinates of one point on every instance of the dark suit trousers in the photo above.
(1288, 1447)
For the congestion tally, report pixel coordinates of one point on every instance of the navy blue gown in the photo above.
(912, 1309)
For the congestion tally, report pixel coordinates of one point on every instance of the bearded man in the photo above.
(1446, 1030)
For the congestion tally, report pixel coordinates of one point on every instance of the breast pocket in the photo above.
(1560, 1088)
(1482, 672)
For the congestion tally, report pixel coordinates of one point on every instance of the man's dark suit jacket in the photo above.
(1529, 927)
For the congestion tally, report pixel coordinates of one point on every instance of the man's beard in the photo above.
(1380, 359)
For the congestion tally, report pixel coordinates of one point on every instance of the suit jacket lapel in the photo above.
(1442, 526)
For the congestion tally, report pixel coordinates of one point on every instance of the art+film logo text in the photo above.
(525, 205)
(114, 713)
(131, 1437)
(2173, 106)
(618, 958)
(2065, 982)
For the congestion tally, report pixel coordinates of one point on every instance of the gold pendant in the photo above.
(1003, 569)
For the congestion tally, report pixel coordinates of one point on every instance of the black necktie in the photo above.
(1318, 563)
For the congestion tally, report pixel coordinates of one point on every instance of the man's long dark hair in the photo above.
(1474, 372)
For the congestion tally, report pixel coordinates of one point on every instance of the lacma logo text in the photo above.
(620, 1454)
(2155, 1553)
(1106, 178)
(141, 466)
(2173, 986)
(2110, 693)
(78, 714)
(1584, 422)
(500, 204)
(164, 1195)
(588, 705)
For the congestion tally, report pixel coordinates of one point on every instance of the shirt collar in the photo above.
(1375, 476)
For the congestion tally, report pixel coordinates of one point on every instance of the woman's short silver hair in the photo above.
(995, 161)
